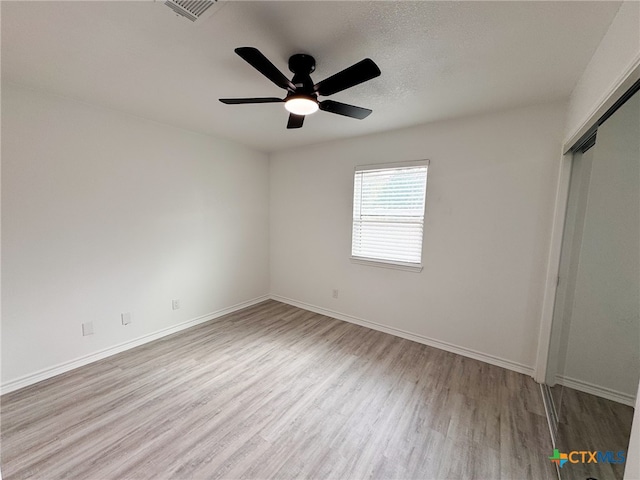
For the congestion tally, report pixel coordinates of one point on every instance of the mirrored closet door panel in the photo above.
(594, 357)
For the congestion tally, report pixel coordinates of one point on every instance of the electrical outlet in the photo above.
(335, 293)
(87, 329)
(126, 318)
(175, 304)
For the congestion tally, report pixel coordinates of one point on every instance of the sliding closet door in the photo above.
(604, 345)
(595, 349)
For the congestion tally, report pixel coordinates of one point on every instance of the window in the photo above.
(388, 214)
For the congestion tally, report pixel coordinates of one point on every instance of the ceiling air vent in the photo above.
(191, 9)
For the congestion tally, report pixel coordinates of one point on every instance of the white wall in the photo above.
(104, 213)
(489, 204)
(617, 53)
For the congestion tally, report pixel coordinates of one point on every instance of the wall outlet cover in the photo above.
(87, 329)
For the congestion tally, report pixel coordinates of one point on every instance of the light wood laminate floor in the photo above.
(273, 391)
(591, 423)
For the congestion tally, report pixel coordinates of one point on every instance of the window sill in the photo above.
(407, 267)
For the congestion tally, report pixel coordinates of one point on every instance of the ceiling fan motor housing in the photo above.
(302, 66)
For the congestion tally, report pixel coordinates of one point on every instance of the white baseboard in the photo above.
(46, 373)
(465, 352)
(598, 391)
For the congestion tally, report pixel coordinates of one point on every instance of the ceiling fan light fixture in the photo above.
(301, 105)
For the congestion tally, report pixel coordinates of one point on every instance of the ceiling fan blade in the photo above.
(349, 77)
(240, 101)
(257, 60)
(295, 121)
(344, 109)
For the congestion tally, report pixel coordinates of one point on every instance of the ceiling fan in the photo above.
(302, 93)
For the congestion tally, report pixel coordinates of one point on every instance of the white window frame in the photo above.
(394, 264)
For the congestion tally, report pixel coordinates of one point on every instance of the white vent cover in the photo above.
(191, 9)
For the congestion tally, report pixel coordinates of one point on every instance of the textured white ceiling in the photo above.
(438, 59)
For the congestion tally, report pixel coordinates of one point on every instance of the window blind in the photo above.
(388, 213)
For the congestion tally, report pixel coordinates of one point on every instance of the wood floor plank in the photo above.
(274, 391)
